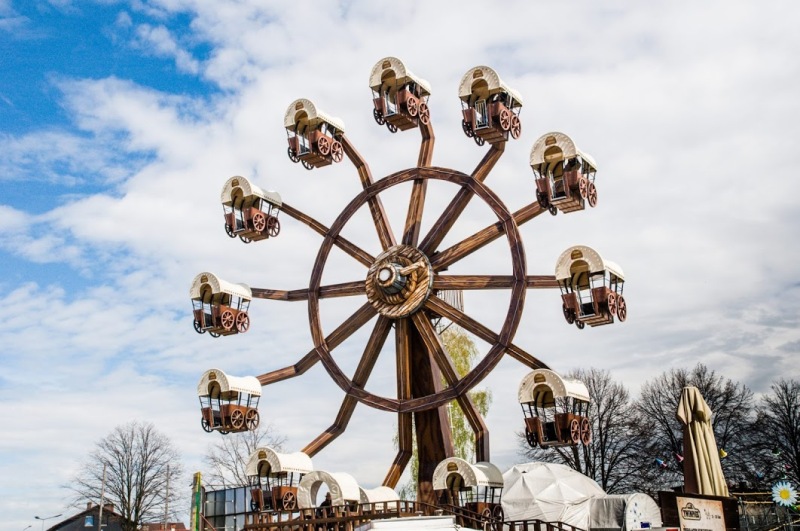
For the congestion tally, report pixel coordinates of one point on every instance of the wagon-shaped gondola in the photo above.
(228, 403)
(274, 478)
(475, 487)
(555, 410)
(591, 287)
(344, 490)
(564, 174)
(490, 108)
(250, 212)
(219, 307)
(400, 98)
(314, 137)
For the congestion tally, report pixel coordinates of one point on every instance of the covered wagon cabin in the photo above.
(591, 287)
(564, 174)
(490, 107)
(400, 98)
(313, 135)
(250, 212)
(555, 410)
(474, 487)
(219, 307)
(274, 478)
(343, 488)
(228, 403)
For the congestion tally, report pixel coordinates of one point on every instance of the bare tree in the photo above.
(733, 413)
(614, 456)
(227, 458)
(777, 449)
(142, 475)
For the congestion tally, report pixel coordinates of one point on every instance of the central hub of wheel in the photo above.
(400, 281)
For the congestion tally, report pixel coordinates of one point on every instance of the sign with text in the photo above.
(696, 514)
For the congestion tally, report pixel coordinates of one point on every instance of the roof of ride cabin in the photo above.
(567, 147)
(228, 384)
(378, 494)
(481, 474)
(592, 258)
(312, 114)
(495, 84)
(536, 386)
(279, 463)
(218, 286)
(393, 68)
(342, 486)
(248, 189)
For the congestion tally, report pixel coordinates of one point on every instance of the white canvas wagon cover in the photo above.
(566, 150)
(481, 474)
(218, 285)
(592, 258)
(279, 463)
(342, 486)
(542, 386)
(313, 115)
(495, 84)
(378, 494)
(248, 189)
(393, 68)
(228, 384)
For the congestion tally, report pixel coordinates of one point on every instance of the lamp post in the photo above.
(29, 526)
(46, 518)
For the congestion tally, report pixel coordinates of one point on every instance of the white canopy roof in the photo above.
(342, 486)
(592, 258)
(302, 106)
(378, 494)
(278, 463)
(566, 150)
(542, 386)
(495, 84)
(392, 68)
(218, 286)
(481, 474)
(248, 189)
(549, 492)
(228, 384)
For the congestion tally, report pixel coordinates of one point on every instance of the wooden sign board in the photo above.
(696, 512)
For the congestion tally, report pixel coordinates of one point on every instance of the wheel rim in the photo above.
(467, 128)
(586, 432)
(288, 501)
(237, 419)
(592, 194)
(568, 314)
(622, 309)
(307, 165)
(612, 304)
(242, 322)
(580, 324)
(479, 140)
(259, 221)
(391, 127)
(498, 347)
(324, 145)
(531, 438)
(226, 319)
(505, 119)
(378, 116)
(553, 210)
(424, 113)
(273, 227)
(337, 151)
(575, 431)
(582, 187)
(197, 327)
(292, 155)
(516, 127)
(229, 231)
(206, 426)
(411, 105)
(251, 419)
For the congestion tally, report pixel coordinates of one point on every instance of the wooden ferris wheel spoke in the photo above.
(342, 332)
(375, 205)
(404, 423)
(476, 282)
(416, 206)
(483, 237)
(364, 369)
(346, 246)
(426, 148)
(460, 201)
(345, 289)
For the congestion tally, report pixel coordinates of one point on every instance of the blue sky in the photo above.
(120, 121)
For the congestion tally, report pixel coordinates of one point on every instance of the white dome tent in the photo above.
(548, 492)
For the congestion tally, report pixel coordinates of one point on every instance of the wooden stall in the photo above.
(250, 212)
(399, 97)
(228, 403)
(555, 410)
(591, 287)
(490, 108)
(219, 307)
(564, 174)
(274, 479)
(314, 137)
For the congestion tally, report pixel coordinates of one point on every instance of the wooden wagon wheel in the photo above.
(592, 194)
(324, 145)
(479, 140)
(245, 239)
(505, 119)
(424, 113)
(516, 127)
(242, 322)
(575, 431)
(467, 127)
(273, 226)
(227, 320)
(289, 501)
(612, 304)
(580, 324)
(259, 221)
(411, 106)
(586, 432)
(583, 186)
(622, 309)
(292, 155)
(486, 514)
(391, 127)
(229, 231)
(251, 419)
(498, 516)
(569, 314)
(337, 151)
(531, 437)
(237, 419)
(378, 115)
(206, 426)
(198, 327)
(307, 165)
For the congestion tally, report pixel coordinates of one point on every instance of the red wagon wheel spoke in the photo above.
(324, 146)
(227, 320)
(242, 322)
(273, 226)
(622, 309)
(424, 113)
(337, 152)
(411, 105)
(259, 221)
(592, 194)
(505, 119)
(516, 127)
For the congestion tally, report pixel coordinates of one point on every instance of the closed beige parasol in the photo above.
(702, 471)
